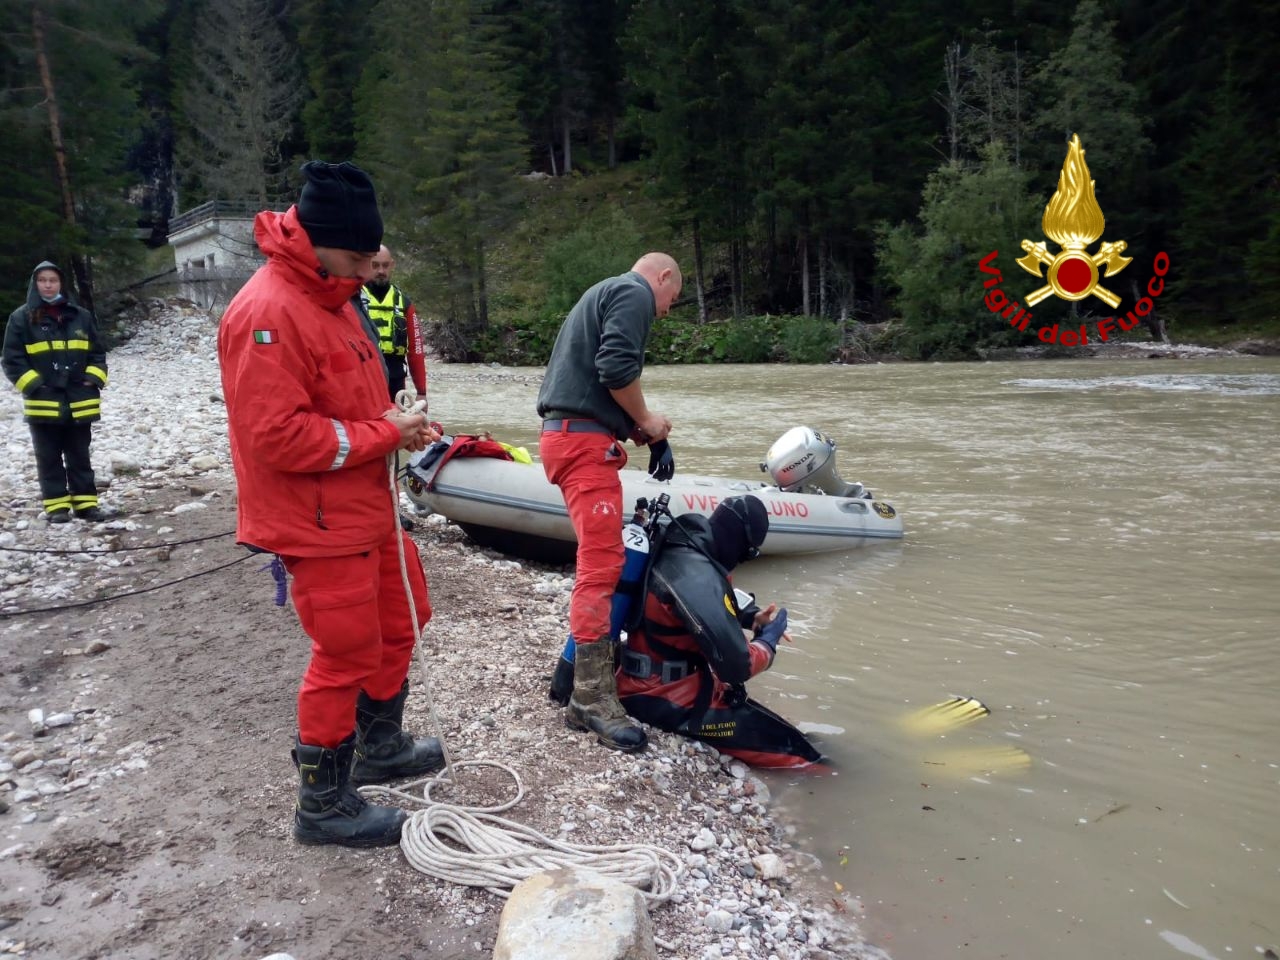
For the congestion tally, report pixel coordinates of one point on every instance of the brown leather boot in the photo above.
(594, 705)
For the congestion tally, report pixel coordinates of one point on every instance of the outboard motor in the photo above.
(804, 461)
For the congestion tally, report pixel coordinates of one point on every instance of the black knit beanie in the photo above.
(738, 526)
(338, 207)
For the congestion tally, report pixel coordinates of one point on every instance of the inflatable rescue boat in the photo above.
(512, 507)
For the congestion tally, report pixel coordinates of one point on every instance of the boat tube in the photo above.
(513, 508)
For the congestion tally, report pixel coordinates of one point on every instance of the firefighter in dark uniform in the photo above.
(54, 356)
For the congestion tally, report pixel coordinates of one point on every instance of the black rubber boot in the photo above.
(594, 704)
(59, 516)
(330, 810)
(383, 750)
(561, 682)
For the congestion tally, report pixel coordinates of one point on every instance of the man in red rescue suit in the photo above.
(685, 664)
(53, 355)
(590, 402)
(311, 431)
(396, 321)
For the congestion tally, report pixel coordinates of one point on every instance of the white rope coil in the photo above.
(475, 847)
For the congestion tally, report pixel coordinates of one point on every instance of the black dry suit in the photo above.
(684, 667)
(54, 356)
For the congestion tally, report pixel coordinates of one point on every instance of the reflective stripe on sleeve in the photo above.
(98, 372)
(344, 445)
(24, 381)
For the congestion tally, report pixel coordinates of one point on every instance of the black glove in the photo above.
(772, 631)
(662, 465)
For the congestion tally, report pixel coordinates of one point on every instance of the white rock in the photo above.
(719, 921)
(60, 720)
(705, 840)
(770, 866)
(205, 462)
(573, 914)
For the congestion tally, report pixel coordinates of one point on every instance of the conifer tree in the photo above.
(68, 120)
(333, 56)
(239, 102)
(437, 127)
(1083, 88)
(967, 211)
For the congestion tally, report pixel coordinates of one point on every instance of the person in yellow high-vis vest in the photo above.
(393, 316)
(54, 356)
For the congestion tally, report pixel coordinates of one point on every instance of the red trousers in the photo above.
(585, 467)
(355, 611)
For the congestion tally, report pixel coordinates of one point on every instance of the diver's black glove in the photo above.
(772, 631)
(662, 465)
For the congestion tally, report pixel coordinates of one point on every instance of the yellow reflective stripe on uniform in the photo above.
(344, 445)
(83, 501)
(77, 345)
(42, 408)
(42, 347)
(91, 402)
(57, 503)
(24, 381)
(98, 372)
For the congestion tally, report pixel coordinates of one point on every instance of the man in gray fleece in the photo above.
(591, 402)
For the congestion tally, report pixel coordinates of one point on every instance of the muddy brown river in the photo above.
(1093, 551)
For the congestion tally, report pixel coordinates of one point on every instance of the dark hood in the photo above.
(738, 526)
(33, 295)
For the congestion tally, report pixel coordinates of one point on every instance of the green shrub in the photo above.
(604, 246)
(809, 340)
(749, 340)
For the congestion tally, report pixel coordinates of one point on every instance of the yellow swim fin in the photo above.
(946, 716)
(977, 761)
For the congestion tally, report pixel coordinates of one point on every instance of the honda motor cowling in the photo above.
(804, 461)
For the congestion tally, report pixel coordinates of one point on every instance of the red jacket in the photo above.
(305, 394)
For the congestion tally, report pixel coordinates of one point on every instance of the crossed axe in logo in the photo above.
(1073, 273)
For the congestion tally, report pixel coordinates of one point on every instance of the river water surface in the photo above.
(1092, 550)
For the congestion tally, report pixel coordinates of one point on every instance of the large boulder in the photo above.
(573, 914)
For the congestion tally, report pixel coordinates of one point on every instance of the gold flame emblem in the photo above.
(1074, 220)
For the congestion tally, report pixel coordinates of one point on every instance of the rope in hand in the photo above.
(473, 846)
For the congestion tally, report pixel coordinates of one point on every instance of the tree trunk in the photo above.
(567, 146)
(822, 276)
(734, 306)
(613, 143)
(79, 264)
(1152, 321)
(699, 283)
(482, 288)
(952, 60)
(551, 154)
(804, 274)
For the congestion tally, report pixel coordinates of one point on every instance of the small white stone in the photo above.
(719, 921)
(705, 840)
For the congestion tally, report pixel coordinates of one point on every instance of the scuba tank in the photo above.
(635, 545)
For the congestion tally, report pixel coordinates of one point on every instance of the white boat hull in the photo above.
(487, 496)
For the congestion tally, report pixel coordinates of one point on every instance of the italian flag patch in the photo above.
(265, 336)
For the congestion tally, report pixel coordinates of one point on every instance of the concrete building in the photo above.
(214, 250)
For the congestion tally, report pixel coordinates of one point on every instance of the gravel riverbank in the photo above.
(145, 783)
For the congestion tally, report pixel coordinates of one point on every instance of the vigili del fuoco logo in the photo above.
(1073, 220)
